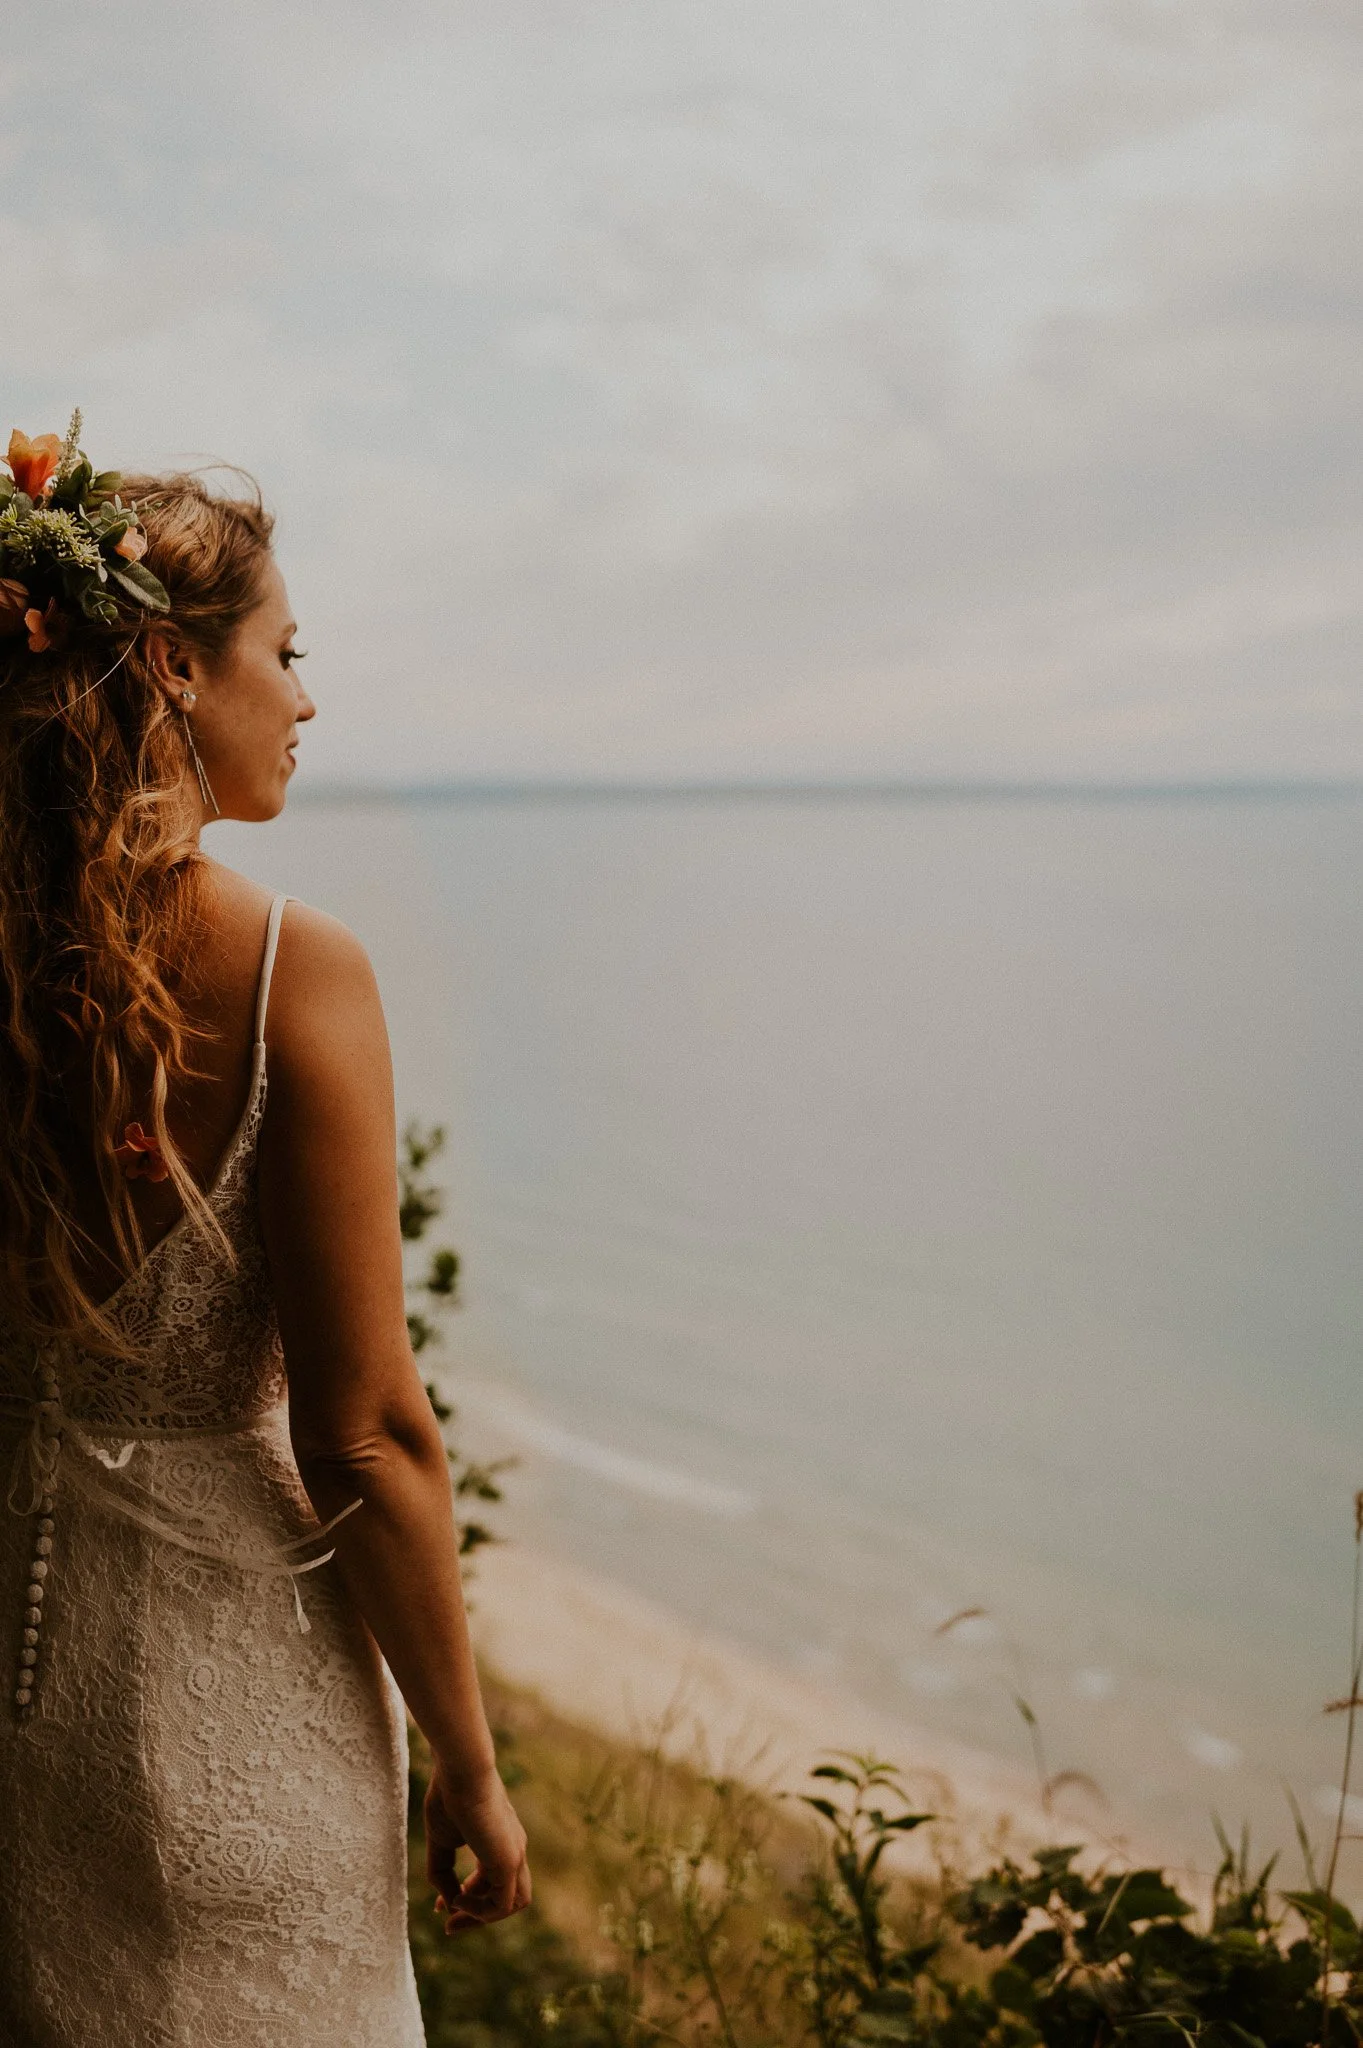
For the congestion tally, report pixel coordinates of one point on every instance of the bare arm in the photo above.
(361, 1423)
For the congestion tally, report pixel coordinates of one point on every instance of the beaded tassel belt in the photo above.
(54, 1446)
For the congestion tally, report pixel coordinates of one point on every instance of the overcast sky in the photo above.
(933, 388)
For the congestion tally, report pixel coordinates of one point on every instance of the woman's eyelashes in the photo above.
(291, 654)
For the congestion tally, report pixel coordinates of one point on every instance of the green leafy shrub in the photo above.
(431, 1294)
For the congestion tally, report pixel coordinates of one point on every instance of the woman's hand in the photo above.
(483, 1820)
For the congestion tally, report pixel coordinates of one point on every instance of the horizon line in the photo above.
(511, 789)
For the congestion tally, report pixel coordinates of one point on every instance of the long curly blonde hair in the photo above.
(100, 901)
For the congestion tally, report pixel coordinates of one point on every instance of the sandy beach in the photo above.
(601, 1655)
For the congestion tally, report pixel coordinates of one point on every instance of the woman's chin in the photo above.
(258, 809)
(260, 801)
(274, 799)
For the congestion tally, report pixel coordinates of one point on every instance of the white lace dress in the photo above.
(203, 1769)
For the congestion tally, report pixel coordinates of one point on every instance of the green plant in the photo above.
(847, 1966)
(1114, 1955)
(431, 1295)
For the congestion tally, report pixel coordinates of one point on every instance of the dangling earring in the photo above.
(188, 698)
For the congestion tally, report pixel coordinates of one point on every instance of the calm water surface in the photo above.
(876, 1208)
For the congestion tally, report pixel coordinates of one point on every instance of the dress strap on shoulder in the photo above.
(267, 963)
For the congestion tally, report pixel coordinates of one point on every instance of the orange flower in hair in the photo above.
(140, 1156)
(32, 464)
(46, 628)
(133, 545)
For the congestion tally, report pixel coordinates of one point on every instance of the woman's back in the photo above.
(195, 1313)
(218, 990)
(190, 1693)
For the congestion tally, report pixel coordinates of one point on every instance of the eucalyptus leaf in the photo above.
(141, 585)
(97, 604)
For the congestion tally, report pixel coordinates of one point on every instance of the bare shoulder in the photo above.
(325, 1011)
(324, 1027)
(319, 960)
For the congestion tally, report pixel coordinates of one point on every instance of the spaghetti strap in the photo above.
(267, 964)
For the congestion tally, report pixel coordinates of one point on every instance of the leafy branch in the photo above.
(431, 1295)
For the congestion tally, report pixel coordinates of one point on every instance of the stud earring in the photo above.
(189, 698)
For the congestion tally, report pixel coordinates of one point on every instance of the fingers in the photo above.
(440, 1867)
(489, 1891)
(444, 1840)
(485, 1897)
(499, 1883)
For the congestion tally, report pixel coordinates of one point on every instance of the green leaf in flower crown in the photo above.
(6, 489)
(103, 519)
(140, 584)
(105, 484)
(97, 604)
(70, 490)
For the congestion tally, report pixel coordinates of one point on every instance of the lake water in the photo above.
(873, 1208)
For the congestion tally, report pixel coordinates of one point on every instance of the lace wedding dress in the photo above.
(203, 1781)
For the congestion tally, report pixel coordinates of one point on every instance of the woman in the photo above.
(202, 1753)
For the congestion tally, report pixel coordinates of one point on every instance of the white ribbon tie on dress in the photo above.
(38, 1454)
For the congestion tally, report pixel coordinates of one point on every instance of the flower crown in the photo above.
(69, 546)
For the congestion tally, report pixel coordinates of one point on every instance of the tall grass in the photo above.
(679, 1905)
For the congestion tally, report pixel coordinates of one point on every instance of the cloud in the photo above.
(964, 389)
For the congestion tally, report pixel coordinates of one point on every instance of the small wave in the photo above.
(1213, 1750)
(1325, 1799)
(639, 1475)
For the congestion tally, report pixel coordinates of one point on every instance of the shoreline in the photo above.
(606, 1657)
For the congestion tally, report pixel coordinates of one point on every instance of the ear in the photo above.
(175, 666)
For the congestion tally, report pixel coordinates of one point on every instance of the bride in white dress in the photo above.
(206, 1387)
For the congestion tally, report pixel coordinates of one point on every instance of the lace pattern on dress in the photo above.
(202, 1808)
